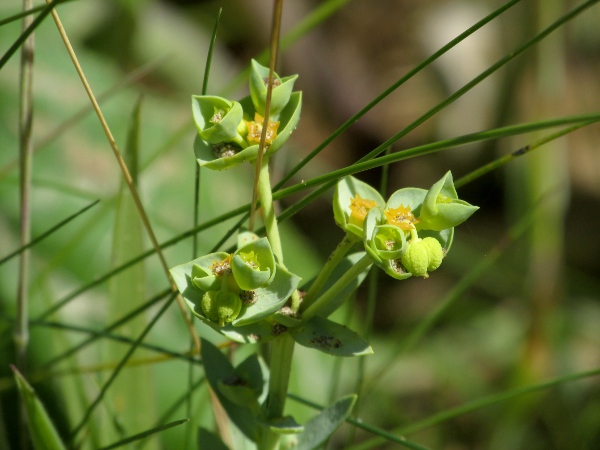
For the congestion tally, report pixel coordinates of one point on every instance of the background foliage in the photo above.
(532, 316)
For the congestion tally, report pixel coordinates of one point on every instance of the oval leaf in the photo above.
(330, 337)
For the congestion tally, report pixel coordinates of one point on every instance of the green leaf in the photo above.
(321, 427)
(442, 208)
(129, 393)
(209, 441)
(345, 191)
(280, 95)
(330, 337)
(43, 434)
(288, 122)
(245, 385)
(221, 369)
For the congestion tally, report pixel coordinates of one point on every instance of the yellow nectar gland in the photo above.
(402, 217)
(221, 267)
(360, 207)
(255, 129)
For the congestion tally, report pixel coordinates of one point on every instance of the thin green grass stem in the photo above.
(332, 262)
(456, 293)
(372, 296)
(21, 330)
(337, 287)
(117, 370)
(76, 117)
(370, 428)
(367, 163)
(145, 434)
(27, 12)
(395, 86)
(126, 318)
(474, 405)
(47, 233)
(497, 163)
(30, 29)
(175, 406)
(483, 75)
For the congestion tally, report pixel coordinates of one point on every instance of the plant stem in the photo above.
(334, 259)
(21, 332)
(266, 203)
(340, 284)
(282, 350)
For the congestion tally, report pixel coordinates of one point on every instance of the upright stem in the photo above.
(266, 203)
(21, 332)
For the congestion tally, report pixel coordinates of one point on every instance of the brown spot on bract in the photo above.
(327, 342)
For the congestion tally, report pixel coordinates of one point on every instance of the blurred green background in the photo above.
(533, 315)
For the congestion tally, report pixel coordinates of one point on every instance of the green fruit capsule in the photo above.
(221, 306)
(435, 253)
(415, 258)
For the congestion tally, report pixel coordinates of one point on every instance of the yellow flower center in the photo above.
(402, 217)
(360, 207)
(255, 130)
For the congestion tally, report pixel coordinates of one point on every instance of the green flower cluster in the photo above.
(408, 235)
(238, 288)
(229, 131)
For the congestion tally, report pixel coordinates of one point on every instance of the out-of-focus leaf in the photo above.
(134, 408)
(221, 369)
(209, 441)
(319, 428)
(41, 429)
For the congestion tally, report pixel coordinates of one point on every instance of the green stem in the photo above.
(334, 259)
(340, 284)
(266, 203)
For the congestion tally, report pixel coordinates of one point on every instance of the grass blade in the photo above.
(47, 233)
(42, 431)
(30, 29)
(117, 370)
(146, 434)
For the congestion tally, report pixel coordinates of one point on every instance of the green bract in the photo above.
(253, 265)
(352, 200)
(213, 157)
(280, 95)
(442, 208)
(217, 119)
